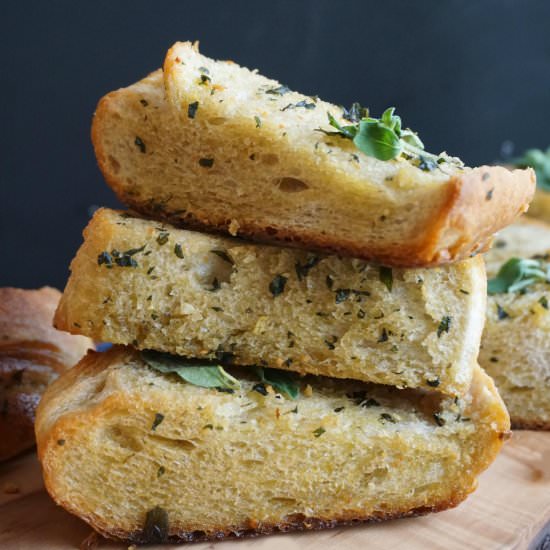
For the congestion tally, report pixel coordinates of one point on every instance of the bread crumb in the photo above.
(10, 488)
(234, 227)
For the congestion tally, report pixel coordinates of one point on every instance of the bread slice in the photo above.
(32, 354)
(128, 449)
(515, 348)
(226, 149)
(199, 295)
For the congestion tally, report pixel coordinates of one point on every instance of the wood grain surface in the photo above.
(510, 510)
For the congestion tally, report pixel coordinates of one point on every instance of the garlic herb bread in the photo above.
(146, 457)
(216, 147)
(515, 347)
(146, 284)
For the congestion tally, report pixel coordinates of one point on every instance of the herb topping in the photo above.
(382, 138)
(192, 109)
(517, 274)
(198, 373)
(444, 325)
(277, 285)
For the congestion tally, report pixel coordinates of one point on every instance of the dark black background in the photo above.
(468, 75)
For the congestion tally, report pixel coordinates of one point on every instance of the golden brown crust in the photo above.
(32, 354)
(480, 201)
(296, 524)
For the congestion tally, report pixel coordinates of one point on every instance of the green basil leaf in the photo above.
(198, 373)
(393, 122)
(282, 382)
(517, 274)
(411, 138)
(375, 140)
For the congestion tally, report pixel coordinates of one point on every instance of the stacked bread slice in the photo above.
(326, 378)
(515, 348)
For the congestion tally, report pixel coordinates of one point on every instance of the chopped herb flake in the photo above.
(158, 419)
(206, 162)
(277, 285)
(178, 251)
(501, 313)
(444, 325)
(192, 109)
(139, 143)
(105, 259)
(302, 103)
(319, 432)
(280, 90)
(386, 277)
(302, 270)
(341, 295)
(162, 237)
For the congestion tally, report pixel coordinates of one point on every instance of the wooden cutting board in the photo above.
(510, 509)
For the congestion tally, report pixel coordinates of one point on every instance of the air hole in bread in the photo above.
(283, 500)
(176, 445)
(212, 269)
(217, 121)
(115, 165)
(270, 159)
(123, 438)
(291, 185)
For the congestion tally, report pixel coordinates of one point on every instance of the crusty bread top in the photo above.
(139, 282)
(117, 439)
(26, 329)
(247, 164)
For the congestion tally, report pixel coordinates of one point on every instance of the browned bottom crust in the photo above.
(408, 255)
(295, 523)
